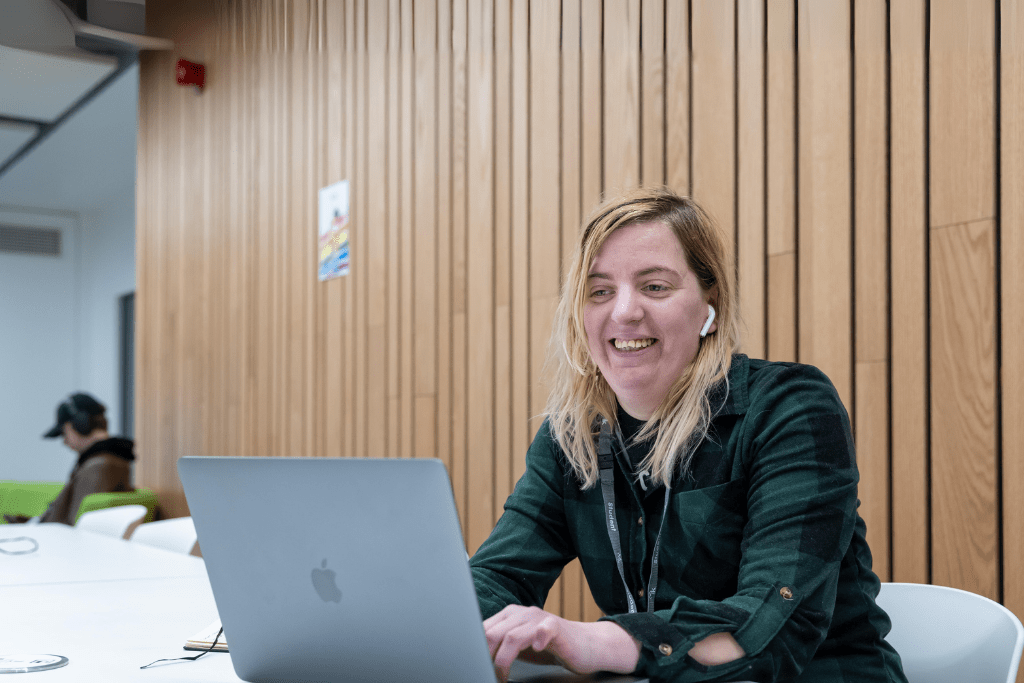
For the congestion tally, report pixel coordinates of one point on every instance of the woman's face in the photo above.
(643, 315)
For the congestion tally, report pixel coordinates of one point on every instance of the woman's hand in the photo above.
(532, 634)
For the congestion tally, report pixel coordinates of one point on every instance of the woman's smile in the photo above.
(632, 344)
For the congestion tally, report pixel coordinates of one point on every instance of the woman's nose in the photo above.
(628, 307)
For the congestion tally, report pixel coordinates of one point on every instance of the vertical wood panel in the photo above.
(459, 256)
(391, 341)
(962, 296)
(572, 124)
(444, 232)
(964, 525)
(824, 209)
(376, 230)
(591, 106)
(351, 157)
(480, 296)
(781, 163)
(306, 260)
(362, 226)
(172, 354)
(750, 186)
(910, 549)
(1011, 236)
(713, 113)
(572, 575)
(677, 96)
(591, 180)
(962, 144)
(622, 87)
(521, 434)
(652, 99)
(407, 385)
(871, 295)
(544, 187)
(545, 199)
(147, 167)
(332, 312)
(425, 191)
(263, 367)
(504, 263)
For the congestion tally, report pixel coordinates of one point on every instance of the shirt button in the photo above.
(640, 592)
(786, 593)
(665, 649)
(640, 521)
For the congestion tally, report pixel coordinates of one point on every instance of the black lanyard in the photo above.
(606, 468)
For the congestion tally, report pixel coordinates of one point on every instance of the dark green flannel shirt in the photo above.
(762, 539)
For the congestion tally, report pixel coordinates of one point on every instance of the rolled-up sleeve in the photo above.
(798, 459)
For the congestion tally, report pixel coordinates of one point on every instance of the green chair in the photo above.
(28, 498)
(100, 501)
(31, 498)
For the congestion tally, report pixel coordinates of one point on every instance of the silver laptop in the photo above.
(329, 569)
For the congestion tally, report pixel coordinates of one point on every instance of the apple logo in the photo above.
(323, 582)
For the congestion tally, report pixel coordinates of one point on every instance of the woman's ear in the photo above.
(709, 324)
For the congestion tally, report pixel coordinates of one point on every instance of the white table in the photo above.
(66, 554)
(108, 629)
(108, 605)
(111, 606)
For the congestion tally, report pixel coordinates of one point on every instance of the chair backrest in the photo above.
(118, 521)
(947, 635)
(178, 535)
(98, 501)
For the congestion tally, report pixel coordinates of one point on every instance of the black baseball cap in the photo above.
(75, 404)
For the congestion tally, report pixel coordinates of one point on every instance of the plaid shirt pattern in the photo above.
(762, 539)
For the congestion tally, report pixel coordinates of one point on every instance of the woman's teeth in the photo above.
(632, 344)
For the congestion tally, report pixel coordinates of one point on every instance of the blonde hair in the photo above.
(580, 396)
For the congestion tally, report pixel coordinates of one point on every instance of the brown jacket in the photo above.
(98, 470)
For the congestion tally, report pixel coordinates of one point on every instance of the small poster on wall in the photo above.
(332, 250)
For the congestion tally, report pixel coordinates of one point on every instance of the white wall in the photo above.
(108, 273)
(60, 331)
(40, 326)
(59, 318)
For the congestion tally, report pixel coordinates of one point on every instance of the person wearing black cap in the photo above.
(104, 463)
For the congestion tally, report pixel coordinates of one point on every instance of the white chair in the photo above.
(177, 535)
(947, 635)
(118, 521)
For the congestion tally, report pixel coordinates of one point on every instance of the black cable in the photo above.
(189, 659)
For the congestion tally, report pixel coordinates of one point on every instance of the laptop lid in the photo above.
(330, 569)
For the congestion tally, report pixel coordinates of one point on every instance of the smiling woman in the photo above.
(723, 542)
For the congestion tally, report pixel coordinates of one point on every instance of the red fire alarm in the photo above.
(190, 73)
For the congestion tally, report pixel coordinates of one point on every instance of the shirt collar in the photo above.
(736, 401)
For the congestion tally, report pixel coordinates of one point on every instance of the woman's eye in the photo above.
(656, 288)
(598, 293)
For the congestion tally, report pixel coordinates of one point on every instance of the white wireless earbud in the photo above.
(711, 319)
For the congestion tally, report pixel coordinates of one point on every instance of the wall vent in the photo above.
(38, 241)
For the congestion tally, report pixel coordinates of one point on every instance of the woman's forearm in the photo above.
(609, 647)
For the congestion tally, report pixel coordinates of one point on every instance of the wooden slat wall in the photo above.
(865, 160)
(1011, 309)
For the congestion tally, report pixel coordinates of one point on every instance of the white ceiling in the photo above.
(88, 162)
(68, 115)
(41, 86)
